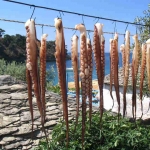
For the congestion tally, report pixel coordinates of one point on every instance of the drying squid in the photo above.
(43, 70)
(90, 64)
(114, 67)
(143, 66)
(135, 65)
(60, 56)
(99, 42)
(148, 62)
(32, 70)
(84, 73)
(74, 57)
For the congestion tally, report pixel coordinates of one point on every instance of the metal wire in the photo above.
(75, 13)
(47, 25)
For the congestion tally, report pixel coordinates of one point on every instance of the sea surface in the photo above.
(94, 75)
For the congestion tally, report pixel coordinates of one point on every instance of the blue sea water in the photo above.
(94, 75)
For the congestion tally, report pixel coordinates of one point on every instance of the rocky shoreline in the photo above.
(15, 118)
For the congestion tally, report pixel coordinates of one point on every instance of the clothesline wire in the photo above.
(75, 13)
(47, 25)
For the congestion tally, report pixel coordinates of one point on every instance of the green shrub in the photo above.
(112, 136)
(14, 69)
(18, 70)
(53, 88)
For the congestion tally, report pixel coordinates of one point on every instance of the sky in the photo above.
(126, 10)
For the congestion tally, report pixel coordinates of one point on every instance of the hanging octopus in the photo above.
(143, 66)
(122, 49)
(32, 71)
(74, 57)
(90, 64)
(114, 68)
(84, 73)
(111, 70)
(43, 70)
(98, 48)
(135, 66)
(148, 62)
(125, 62)
(60, 56)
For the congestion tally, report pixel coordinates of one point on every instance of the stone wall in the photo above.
(15, 119)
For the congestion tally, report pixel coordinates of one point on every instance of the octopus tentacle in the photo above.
(32, 65)
(111, 70)
(61, 66)
(126, 73)
(115, 58)
(135, 65)
(122, 48)
(90, 64)
(103, 57)
(74, 57)
(143, 66)
(43, 71)
(99, 59)
(84, 73)
(148, 62)
(29, 87)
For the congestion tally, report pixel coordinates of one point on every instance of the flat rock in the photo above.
(6, 101)
(71, 109)
(26, 116)
(18, 87)
(51, 104)
(24, 108)
(50, 123)
(6, 131)
(2, 106)
(12, 146)
(19, 96)
(8, 139)
(26, 147)
(12, 111)
(53, 112)
(4, 88)
(26, 142)
(35, 142)
(6, 120)
(4, 96)
(6, 79)
(51, 117)
(52, 108)
(24, 129)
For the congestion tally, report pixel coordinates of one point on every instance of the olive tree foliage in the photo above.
(144, 31)
(2, 32)
(144, 35)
